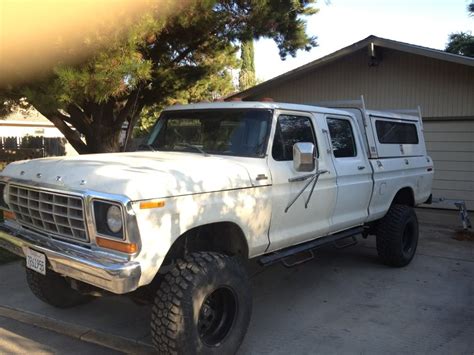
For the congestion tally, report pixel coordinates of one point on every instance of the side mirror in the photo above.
(303, 157)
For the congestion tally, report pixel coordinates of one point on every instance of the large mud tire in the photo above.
(202, 306)
(54, 290)
(397, 236)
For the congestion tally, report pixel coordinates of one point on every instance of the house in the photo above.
(396, 75)
(27, 123)
(27, 134)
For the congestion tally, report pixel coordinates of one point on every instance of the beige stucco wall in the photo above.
(401, 80)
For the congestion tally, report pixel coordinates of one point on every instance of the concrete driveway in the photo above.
(344, 301)
(21, 338)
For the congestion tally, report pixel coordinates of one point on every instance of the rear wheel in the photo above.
(54, 290)
(397, 236)
(202, 306)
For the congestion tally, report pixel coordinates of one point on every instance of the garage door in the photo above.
(451, 145)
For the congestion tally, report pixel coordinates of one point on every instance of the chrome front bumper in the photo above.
(92, 267)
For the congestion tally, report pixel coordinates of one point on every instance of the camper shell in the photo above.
(387, 133)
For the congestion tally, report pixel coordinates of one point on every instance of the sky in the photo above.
(340, 23)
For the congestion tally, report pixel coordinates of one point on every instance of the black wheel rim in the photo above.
(217, 316)
(408, 239)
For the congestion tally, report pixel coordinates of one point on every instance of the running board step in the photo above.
(277, 256)
(298, 259)
(350, 243)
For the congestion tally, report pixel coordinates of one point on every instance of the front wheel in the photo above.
(54, 290)
(202, 306)
(397, 236)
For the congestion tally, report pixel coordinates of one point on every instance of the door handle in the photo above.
(360, 167)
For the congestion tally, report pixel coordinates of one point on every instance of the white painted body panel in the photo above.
(250, 209)
(390, 175)
(138, 175)
(300, 224)
(354, 183)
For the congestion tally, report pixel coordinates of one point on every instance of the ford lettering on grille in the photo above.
(53, 213)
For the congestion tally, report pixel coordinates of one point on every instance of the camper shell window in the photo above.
(396, 132)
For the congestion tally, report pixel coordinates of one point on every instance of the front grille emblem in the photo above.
(39, 175)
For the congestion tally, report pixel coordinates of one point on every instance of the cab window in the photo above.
(342, 138)
(291, 129)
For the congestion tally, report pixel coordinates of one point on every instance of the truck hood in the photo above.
(137, 175)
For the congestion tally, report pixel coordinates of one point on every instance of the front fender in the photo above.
(248, 208)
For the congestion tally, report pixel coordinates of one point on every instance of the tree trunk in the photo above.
(104, 140)
(100, 124)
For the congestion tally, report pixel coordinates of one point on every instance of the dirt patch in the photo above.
(463, 235)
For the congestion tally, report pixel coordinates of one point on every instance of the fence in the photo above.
(30, 147)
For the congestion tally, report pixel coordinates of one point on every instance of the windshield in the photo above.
(222, 132)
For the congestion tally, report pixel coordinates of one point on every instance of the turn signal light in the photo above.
(152, 204)
(129, 248)
(8, 215)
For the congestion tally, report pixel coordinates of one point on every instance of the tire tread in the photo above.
(388, 233)
(167, 307)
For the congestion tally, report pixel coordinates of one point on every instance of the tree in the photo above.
(462, 42)
(247, 69)
(155, 62)
(214, 86)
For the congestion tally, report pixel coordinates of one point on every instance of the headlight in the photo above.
(114, 219)
(108, 218)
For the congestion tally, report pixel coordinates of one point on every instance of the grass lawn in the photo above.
(6, 257)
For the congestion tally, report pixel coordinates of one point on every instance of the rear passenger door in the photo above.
(354, 174)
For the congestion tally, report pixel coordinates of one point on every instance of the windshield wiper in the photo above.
(195, 147)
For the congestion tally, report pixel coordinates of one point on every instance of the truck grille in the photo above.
(49, 212)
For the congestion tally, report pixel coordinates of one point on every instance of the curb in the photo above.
(80, 332)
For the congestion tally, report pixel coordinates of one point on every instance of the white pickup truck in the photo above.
(216, 184)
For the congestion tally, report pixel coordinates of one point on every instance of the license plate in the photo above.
(36, 261)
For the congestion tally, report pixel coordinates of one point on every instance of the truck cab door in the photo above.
(298, 223)
(354, 173)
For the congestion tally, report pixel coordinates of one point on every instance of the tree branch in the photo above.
(71, 135)
(78, 119)
(132, 103)
(132, 122)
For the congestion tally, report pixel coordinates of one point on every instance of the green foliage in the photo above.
(148, 64)
(461, 43)
(214, 86)
(110, 73)
(247, 77)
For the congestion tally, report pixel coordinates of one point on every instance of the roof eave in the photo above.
(378, 41)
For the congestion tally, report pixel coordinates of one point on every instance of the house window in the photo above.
(290, 130)
(342, 138)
